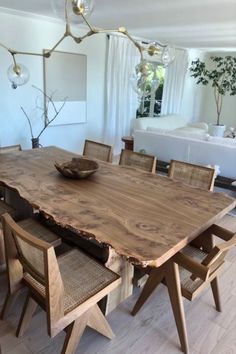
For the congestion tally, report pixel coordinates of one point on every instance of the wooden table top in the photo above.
(145, 217)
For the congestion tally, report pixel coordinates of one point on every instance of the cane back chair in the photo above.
(67, 288)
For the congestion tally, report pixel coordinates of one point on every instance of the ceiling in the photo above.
(207, 24)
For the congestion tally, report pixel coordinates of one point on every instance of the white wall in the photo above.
(208, 108)
(24, 33)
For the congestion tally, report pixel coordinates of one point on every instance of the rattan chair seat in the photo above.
(82, 278)
(186, 282)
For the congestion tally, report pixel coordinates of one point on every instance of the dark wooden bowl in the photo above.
(77, 168)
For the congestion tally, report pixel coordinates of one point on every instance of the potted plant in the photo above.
(222, 77)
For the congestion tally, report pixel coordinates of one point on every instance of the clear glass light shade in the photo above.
(18, 75)
(74, 9)
(168, 55)
(144, 80)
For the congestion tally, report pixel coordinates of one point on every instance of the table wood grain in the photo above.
(145, 217)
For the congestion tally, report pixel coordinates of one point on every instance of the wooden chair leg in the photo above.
(155, 278)
(26, 316)
(74, 332)
(98, 322)
(174, 288)
(216, 293)
(8, 303)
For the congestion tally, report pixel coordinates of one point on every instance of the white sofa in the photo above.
(192, 146)
(167, 123)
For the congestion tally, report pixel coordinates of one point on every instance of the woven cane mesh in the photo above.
(38, 230)
(141, 161)
(97, 151)
(82, 278)
(31, 256)
(195, 176)
(186, 282)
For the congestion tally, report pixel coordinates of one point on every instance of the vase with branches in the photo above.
(45, 115)
(222, 78)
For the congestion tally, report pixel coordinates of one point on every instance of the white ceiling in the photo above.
(185, 23)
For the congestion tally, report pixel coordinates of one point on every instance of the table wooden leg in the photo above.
(125, 269)
(155, 277)
(174, 288)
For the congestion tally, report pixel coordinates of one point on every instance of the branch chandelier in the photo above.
(79, 10)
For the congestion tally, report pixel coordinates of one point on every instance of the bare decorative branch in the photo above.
(45, 111)
(30, 125)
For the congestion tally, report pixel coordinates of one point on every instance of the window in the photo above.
(150, 106)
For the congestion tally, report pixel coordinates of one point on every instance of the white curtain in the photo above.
(121, 99)
(174, 83)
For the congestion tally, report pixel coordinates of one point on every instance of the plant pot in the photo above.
(217, 130)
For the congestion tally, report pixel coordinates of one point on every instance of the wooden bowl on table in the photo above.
(77, 168)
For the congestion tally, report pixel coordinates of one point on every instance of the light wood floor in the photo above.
(152, 331)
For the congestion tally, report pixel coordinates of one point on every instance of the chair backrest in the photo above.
(193, 175)
(136, 159)
(36, 259)
(97, 150)
(6, 149)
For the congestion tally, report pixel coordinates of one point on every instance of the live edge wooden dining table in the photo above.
(142, 218)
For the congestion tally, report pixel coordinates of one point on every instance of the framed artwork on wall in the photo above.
(65, 78)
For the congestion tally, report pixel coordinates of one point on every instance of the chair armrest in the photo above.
(187, 262)
(221, 232)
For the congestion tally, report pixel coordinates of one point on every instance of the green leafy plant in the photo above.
(222, 78)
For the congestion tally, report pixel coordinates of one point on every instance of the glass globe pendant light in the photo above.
(74, 9)
(144, 80)
(168, 55)
(82, 7)
(18, 74)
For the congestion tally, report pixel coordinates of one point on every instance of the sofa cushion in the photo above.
(199, 125)
(158, 130)
(168, 122)
(189, 132)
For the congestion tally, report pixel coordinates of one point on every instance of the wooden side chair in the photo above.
(29, 225)
(202, 177)
(10, 148)
(93, 149)
(136, 159)
(67, 288)
(193, 175)
(200, 264)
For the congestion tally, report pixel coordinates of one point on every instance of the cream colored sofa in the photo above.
(189, 143)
